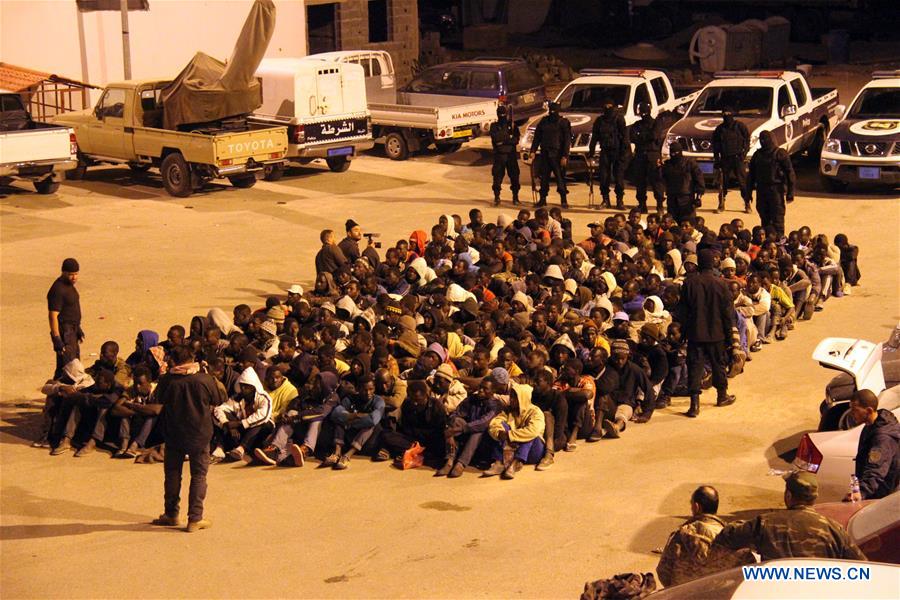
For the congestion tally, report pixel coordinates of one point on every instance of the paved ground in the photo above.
(77, 527)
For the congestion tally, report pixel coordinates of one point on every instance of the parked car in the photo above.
(323, 107)
(581, 101)
(510, 81)
(798, 578)
(406, 122)
(861, 365)
(782, 102)
(874, 525)
(125, 127)
(30, 150)
(864, 147)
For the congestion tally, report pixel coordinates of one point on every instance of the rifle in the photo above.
(533, 190)
(590, 170)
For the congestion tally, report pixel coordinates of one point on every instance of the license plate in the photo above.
(527, 98)
(870, 173)
(707, 168)
(340, 151)
(462, 133)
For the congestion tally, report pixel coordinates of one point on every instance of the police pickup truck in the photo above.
(581, 102)
(865, 146)
(782, 102)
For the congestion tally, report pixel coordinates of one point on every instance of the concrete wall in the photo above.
(403, 23)
(50, 35)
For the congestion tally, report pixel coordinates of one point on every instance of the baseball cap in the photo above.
(802, 485)
(621, 316)
(295, 289)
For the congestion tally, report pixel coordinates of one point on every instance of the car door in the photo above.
(787, 114)
(660, 93)
(106, 132)
(329, 97)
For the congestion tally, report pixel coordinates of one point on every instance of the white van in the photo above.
(323, 107)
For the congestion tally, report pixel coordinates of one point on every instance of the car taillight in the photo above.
(226, 162)
(442, 133)
(808, 456)
(299, 134)
(275, 155)
(73, 144)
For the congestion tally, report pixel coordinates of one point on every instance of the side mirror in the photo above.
(98, 114)
(839, 110)
(681, 109)
(790, 109)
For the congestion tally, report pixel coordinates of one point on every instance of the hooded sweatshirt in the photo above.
(426, 273)
(417, 240)
(878, 457)
(225, 323)
(74, 374)
(525, 426)
(251, 414)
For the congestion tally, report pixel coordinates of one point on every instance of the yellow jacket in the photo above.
(524, 427)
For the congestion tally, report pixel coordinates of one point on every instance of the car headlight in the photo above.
(670, 138)
(833, 145)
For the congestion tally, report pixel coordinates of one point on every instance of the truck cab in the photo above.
(782, 102)
(865, 146)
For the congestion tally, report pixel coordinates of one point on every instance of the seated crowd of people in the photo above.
(490, 345)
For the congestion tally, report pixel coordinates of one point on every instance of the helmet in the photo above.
(553, 108)
(644, 108)
(502, 111)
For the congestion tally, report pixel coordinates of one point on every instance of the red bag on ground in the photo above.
(414, 457)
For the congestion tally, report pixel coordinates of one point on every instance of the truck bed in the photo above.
(430, 111)
(821, 92)
(37, 144)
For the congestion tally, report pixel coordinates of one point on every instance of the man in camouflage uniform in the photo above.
(796, 532)
(684, 557)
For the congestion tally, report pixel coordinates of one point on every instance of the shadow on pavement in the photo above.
(29, 532)
(22, 502)
(23, 426)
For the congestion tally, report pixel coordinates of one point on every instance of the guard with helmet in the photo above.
(504, 139)
(553, 138)
(684, 184)
(611, 134)
(648, 137)
(731, 142)
(772, 176)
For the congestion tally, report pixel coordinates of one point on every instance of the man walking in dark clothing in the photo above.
(772, 175)
(730, 142)
(504, 139)
(64, 310)
(185, 396)
(648, 137)
(611, 134)
(684, 184)
(707, 313)
(553, 138)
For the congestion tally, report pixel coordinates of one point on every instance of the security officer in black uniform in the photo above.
(553, 138)
(504, 139)
(772, 175)
(684, 184)
(730, 142)
(611, 134)
(648, 137)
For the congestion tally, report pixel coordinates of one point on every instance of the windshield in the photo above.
(586, 96)
(877, 103)
(746, 101)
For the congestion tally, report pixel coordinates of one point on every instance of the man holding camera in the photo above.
(350, 244)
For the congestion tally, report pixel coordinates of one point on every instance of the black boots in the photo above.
(642, 206)
(516, 198)
(496, 199)
(620, 203)
(563, 202)
(721, 206)
(725, 400)
(694, 410)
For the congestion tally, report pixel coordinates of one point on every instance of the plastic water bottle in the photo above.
(855, 496)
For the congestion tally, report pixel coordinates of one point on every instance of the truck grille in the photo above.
(581, 139)
(695, 144)
(870, 148)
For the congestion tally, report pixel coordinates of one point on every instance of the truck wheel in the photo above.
(139, 167)
(46, 186)
(338, 164)
(448, 147)
(396, 147)
(273, 173)
(833, 184)
(243, 181)
(176, 176)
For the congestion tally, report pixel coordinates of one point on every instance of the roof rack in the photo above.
(507, 58)
(757, 74)
(620, 72)
(886, 74)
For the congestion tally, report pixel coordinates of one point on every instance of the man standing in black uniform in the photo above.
(648, 138)
(611, 134)
(684, 184)
(64, 311)
(553, 137)
(730, 142)
(707, 313)
(504, 139)
(771, 174)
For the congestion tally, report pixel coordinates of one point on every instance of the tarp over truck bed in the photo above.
(208, 89)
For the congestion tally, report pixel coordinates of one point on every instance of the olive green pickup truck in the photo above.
(126, 127)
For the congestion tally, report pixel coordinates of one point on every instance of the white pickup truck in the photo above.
(30, 150)
(323, 107)
(581, 102)
(865, 146)
(782, 102)
(407, 122)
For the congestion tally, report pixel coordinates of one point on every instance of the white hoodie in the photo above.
(258, 413)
